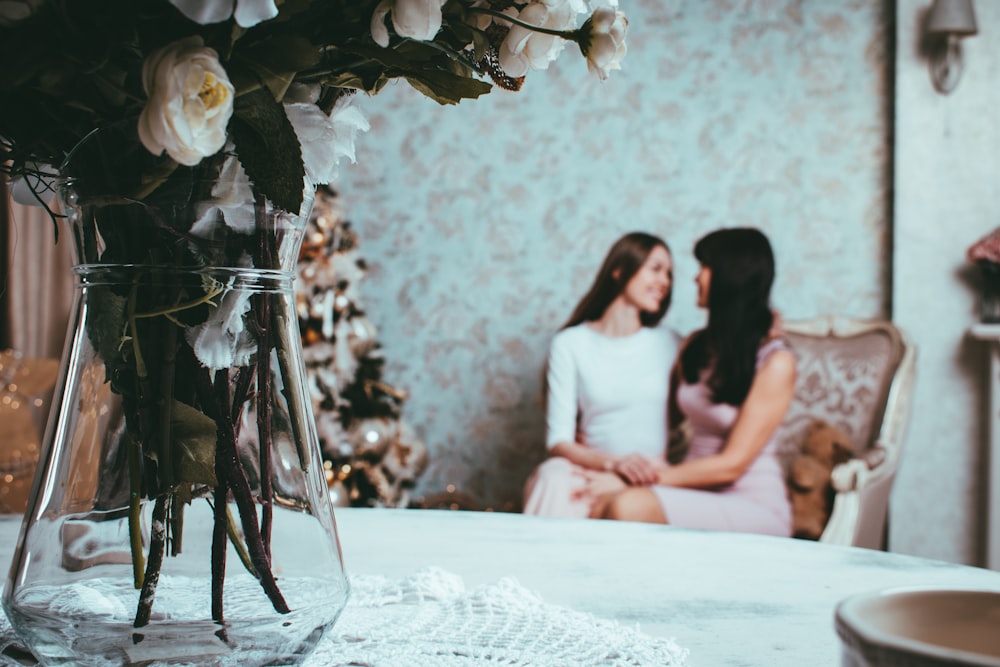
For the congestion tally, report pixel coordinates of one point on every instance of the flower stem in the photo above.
(135, 453)
(207, 297)
(140, 363)
(176, 525)
(219, 534)
(165, 466)
(215, 398)
(135, 512)
(292, 386)
(264, 388)
(454, 55)
(237, 541)
(157, 547)
(570, 35)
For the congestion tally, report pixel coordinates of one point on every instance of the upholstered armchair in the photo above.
(858, 376)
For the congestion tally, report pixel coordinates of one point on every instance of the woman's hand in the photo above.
(599, 506)
(636, 470)
(597, 484)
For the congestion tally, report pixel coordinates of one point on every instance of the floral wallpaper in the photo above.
(483, 223)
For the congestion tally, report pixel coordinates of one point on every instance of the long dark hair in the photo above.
(739, 312)
(624, 259)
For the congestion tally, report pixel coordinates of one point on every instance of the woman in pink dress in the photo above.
(734, 384)
(607, 381)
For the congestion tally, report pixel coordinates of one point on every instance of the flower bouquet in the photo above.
(185, 139)
(985, 253)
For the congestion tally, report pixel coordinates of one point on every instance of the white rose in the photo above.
(578, 6)
(325, 139)
(602, 41)
(190, 101)
(36, 186)
(417, 19)
(13, 12)
(524, 48)
(232, 196)
(222, 340)
(248, 13)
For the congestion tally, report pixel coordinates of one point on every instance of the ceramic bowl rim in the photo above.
(847, 621)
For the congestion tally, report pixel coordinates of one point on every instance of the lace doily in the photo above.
(431, 619)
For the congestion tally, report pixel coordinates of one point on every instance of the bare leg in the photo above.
(633, 504)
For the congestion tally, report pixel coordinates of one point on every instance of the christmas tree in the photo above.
(372, 457)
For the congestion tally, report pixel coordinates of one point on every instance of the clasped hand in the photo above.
(636, 470)
(631, 470)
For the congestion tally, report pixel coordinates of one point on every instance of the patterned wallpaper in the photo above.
(483, 223)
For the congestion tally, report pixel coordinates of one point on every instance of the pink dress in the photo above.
(758, 501)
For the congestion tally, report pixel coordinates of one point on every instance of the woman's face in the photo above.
(650, 284)
(703, 280)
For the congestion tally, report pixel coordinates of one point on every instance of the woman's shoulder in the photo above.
(570, 339)
(773, 346)
(575, 332)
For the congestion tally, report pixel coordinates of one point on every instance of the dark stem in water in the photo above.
(219, 543)
(157, 546)
(216, 400)
(165, 400)
(264, 343)
(176, 523)
(242, 392)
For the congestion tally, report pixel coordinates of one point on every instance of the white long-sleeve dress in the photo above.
(606, 392)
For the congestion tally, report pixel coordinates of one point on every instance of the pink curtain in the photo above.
(37, 283)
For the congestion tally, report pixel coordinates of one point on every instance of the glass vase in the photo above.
(180, 513)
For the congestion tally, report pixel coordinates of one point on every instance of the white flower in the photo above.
(232, 197)
(222, 340)
(248, 13)
(35, 188)
(602, 41)
(15, 11)
(417, 19)
(577, 6)
(190, 101)
(524, 48)
(325, 139)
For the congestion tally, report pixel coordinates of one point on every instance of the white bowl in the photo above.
(920, 627)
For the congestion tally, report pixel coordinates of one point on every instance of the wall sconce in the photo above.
(947, 23)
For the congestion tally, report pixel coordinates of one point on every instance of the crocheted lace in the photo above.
(431, 619)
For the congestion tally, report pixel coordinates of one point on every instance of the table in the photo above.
(730, 599)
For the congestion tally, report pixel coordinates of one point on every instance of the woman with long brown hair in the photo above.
(607, 377)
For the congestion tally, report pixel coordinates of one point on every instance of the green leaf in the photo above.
(106, 325)
(406, 56)
(357, 82)
(193, 438)
(480, 43)
(268, 149)
(439, 75)
(278, 59)
(447, 88)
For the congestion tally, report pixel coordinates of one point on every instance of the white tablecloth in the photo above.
(727, 599)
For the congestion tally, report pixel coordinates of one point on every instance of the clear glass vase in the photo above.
(180, 513)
